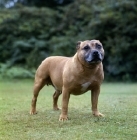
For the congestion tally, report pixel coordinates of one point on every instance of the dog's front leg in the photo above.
(65, 101)
(94, 99)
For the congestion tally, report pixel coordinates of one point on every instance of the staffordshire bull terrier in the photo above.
(72, 75)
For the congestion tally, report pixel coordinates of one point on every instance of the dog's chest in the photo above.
(85, 86)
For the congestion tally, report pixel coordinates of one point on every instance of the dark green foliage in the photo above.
(28, 35)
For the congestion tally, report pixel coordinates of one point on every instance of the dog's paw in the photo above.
(98, 114)
(56, 108)
(32, 112)
(63, 118)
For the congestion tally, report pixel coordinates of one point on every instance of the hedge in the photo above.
(30, 34)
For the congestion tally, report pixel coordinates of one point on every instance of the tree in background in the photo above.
(29, 34)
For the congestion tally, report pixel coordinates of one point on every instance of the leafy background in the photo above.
(32, 30)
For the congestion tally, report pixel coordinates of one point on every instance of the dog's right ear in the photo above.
(78, 45)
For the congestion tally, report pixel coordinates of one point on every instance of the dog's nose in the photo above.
(95, 53)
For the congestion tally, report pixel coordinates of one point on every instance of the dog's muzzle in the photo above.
(93, 57)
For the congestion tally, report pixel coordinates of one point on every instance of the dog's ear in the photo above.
(78, 45)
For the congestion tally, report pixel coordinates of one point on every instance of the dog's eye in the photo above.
(86, 48)
(98, 46)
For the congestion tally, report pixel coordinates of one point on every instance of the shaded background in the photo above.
(31, 30)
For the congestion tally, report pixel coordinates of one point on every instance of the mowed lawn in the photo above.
(117, 101)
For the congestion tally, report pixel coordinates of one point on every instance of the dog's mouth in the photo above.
(93, 57)
(98, 60)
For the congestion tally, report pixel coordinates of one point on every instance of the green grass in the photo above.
(118, 101)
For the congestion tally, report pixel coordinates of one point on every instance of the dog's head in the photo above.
(90, 51)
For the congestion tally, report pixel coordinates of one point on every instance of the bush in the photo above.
(15, 72)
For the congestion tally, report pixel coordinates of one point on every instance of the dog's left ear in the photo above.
(78, 45)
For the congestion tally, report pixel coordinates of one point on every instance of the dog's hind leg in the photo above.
(38, 85)
(55, 100)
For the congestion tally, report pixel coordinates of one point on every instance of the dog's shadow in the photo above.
(83, 115)
(75, 116)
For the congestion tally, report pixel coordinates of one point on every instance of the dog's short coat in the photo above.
(72, 75)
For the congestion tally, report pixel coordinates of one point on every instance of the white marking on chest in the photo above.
(85, 86)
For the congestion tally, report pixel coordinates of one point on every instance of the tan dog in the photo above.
(72, 75)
